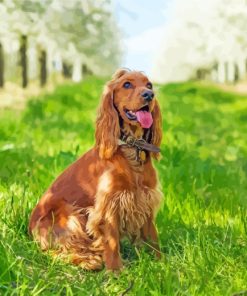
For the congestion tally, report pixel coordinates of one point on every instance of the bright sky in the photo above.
(142, 23)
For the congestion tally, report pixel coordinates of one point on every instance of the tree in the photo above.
(85, 34)
(43, 68)
(23, 60)
(201, 34)
(1, 66)
(80, 32)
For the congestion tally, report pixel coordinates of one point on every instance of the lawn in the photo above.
(202, 223)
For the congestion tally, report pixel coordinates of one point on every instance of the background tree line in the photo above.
(40, 37)
(204, 40)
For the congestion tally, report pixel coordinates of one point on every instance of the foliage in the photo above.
(202, 223)
(200, 34)
(74, 30)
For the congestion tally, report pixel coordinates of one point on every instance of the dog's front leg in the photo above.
(149, 234)
(112, 257)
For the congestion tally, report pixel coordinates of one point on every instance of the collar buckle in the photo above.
(140, 144)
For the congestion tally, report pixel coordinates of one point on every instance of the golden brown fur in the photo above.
(107, 193)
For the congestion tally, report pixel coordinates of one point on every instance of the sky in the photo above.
(142, 24)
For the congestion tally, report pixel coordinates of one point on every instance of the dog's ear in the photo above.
(120, 72)
(156, 128)
(107, 125)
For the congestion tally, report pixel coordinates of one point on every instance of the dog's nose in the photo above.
(148, 95)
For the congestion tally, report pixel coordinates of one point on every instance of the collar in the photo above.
(140, 144)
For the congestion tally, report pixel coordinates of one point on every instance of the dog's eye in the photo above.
(149, 85)
(127, 85)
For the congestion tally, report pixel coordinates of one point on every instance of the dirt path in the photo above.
(15, 97)
(240, 88)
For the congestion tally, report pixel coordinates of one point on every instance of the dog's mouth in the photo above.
(132, 115)
(143, 116)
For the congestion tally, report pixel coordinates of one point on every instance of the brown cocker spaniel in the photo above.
(111, 191)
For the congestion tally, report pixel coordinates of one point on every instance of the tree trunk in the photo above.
(85, 70)
(214, 72)
(43, 67)
(226, 71)
(77, 73)
(23, 54)
(236, 73)
(221, 72)
(1, 66)
(67, 70)
(231, 72)
(198, 74)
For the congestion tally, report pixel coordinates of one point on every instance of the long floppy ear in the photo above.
(107, 125)
(120, 72)
(156, 128)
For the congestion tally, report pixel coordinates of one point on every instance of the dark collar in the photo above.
(140, 144)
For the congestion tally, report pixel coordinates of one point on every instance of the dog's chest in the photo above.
(128, 209)
(134, 208)
(134, 157)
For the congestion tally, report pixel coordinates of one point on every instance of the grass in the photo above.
(202, 223)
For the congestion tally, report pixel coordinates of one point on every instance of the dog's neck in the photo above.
(135, 131)
(132, 153)
(139, 140)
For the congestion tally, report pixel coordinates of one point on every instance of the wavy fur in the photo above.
(106, 194)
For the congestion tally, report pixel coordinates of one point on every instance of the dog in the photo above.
(111, 191)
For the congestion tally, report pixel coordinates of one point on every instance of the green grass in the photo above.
(202, 223)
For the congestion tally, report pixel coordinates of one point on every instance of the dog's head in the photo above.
(127, 98)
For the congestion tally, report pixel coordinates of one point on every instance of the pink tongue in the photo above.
(145, 118)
